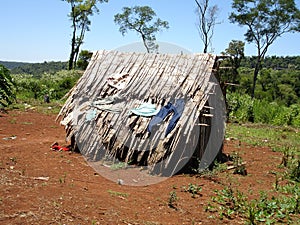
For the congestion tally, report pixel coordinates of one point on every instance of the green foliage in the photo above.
(81, 11)
(141, 20)
(239, 167)
(242, 108)
(194, 189)
(230, 202)
(37, 69)
(235, 51)
(55, 85)
(291, 161)
(280, 86)
(273, 62)
(118, 194)
(84, 59)
(275, 137)
(6, 87)
(172, 200)
(265, 22)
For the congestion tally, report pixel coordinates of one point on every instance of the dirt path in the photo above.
(41, 186)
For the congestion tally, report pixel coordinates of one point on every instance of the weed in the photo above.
(267, 210)
(62, 179)
(239, 167)
(13, 121)
(118, 194)
(295, 171)
(291, 161)
(194, 189)
(94, 222)
(27, 123)
(118, 166)
(210, 173)
(172, 200)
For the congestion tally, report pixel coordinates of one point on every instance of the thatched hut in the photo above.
(144, 109)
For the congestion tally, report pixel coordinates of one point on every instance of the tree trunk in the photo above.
(79, 43)
(72, 54)
(145, 43)
(255, 75)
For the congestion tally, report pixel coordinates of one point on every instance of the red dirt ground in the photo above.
(76, 194)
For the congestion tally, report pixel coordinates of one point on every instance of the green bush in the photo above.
(6, 87)
(242, 108)
(264, 112)
(55, 85)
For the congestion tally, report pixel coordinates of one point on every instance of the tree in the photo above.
(81, 10)
(142, 20)
(206, 21)
(266, 20)
(84, 59)
(6, 87)
(236, 52)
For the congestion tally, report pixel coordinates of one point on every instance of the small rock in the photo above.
(120, 182)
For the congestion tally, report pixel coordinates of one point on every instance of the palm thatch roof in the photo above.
(98, 112)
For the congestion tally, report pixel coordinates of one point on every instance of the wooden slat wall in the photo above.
(156, 78)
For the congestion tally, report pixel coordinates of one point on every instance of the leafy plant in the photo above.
(118, 166)
(172, 200)
(239, 167)
(268, 210)
(6, 87)
(62, 179)
(194, 189)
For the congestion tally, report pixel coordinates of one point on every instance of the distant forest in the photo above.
(274, 62)
(35, 69)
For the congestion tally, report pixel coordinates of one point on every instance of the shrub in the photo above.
(242, 108)
(55, 85)
(6, 87)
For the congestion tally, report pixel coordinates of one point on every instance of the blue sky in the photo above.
(39, 30)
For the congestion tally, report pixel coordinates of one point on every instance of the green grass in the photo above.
(280, 204)
(37, 105)
(118, 194)
(277, 138)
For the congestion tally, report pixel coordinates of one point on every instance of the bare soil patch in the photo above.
(41, 186)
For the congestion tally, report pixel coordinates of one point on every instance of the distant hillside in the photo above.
(274, 62)
(12, 65)
(36, 69)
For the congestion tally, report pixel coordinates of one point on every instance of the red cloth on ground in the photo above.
(56, 147)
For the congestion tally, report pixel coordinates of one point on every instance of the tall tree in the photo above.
(236, 52)
(266, 20)
(228, 73)
(142, 20)
(81, 11)
(207, 16)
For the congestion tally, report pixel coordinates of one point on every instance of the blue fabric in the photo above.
(145, 109)
(91, 114)
(177, 110)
